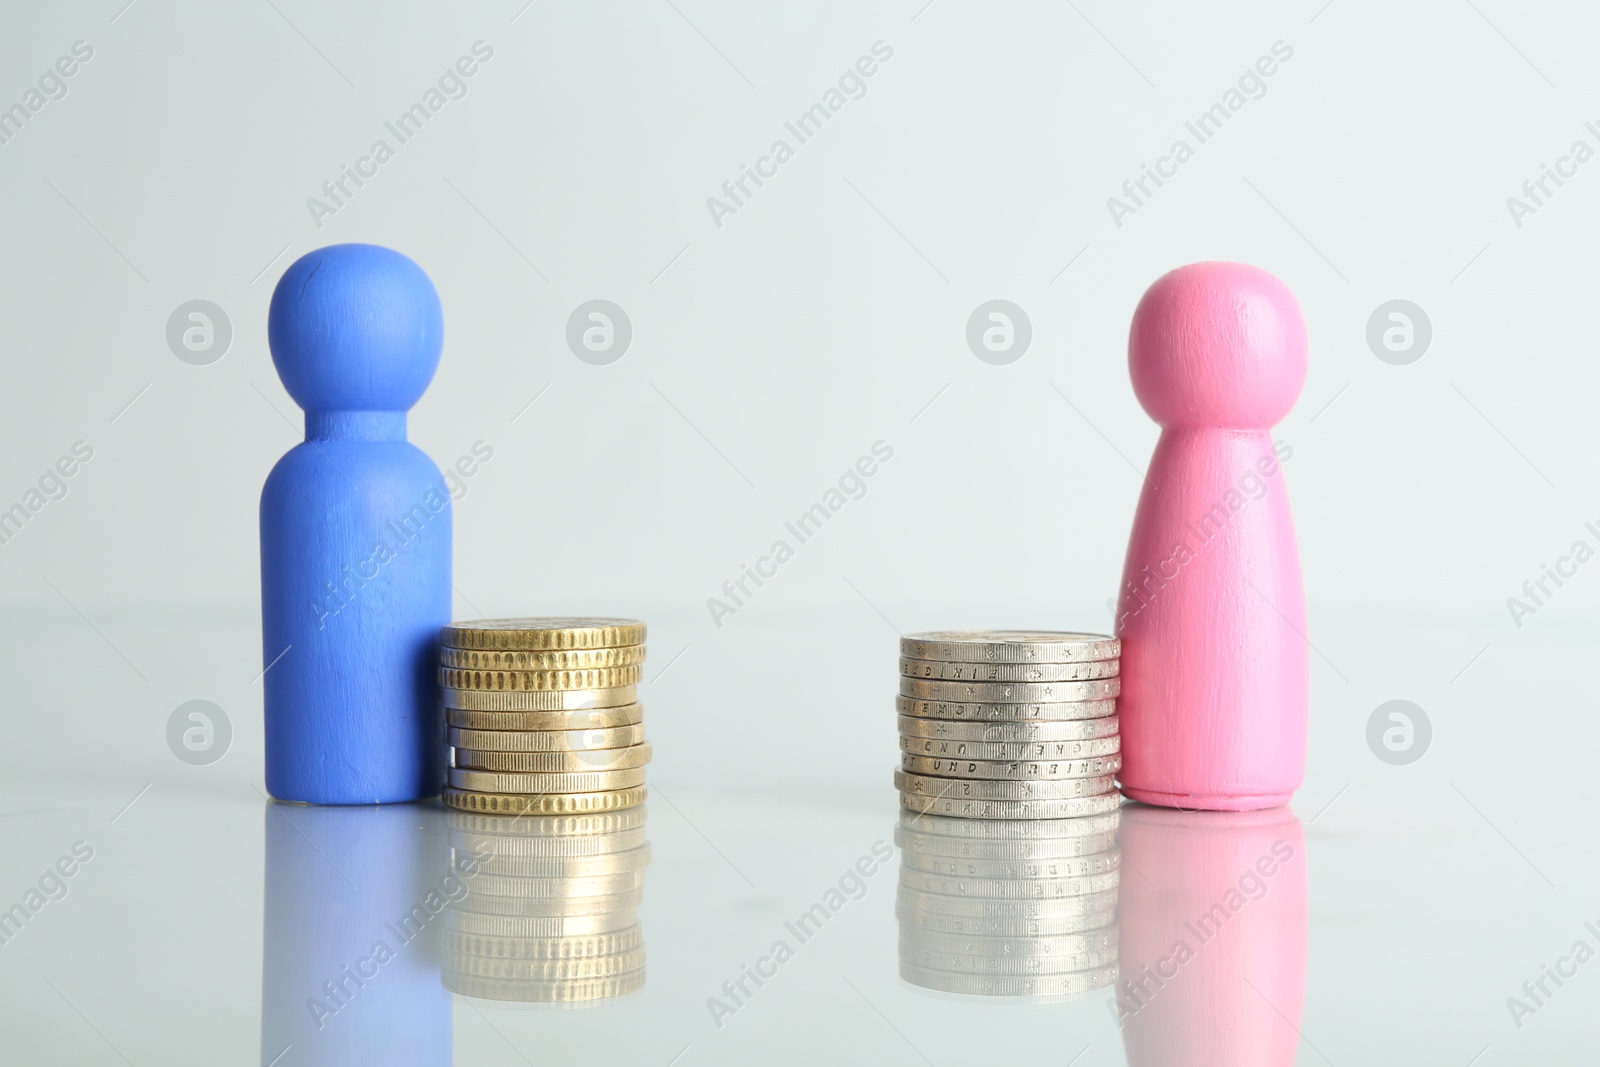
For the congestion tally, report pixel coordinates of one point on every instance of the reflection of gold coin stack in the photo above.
(551, 910)
(544, 715)
(1023, 908)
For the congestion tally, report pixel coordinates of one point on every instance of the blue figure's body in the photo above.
(355, 537)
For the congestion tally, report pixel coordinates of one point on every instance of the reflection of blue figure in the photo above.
(350, 946)
(355, 537)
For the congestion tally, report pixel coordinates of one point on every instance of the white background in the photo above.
(806, 327)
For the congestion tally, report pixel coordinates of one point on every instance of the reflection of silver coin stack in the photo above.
(1009, 724)
(1022, 908)
(550, 913)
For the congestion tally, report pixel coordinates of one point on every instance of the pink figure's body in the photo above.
(1215, 665)
(1211, 958)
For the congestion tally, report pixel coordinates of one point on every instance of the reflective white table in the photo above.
(1441, 911)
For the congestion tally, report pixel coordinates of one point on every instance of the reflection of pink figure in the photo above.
(1213, 941)
(1215, 665)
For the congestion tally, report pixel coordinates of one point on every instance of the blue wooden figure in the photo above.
(355, 536)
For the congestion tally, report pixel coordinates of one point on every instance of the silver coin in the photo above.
(1061, 711)
(1017, 909)
(1008, 966)
(1006, 889)
(1083, 824)
(1042, 750)
(1010, 692)
(980, 926)
(1010, 732)
(1098, 940)
(1045, 987)
(949, 671)
(961, 867)
(1029, 770)
(1010, 646)
(913, 843)
(969, 808)
(980, 789)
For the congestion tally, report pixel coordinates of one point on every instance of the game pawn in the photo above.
(355, 537)
(1215, 661)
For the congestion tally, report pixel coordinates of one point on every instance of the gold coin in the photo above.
(533, 782)
(576, 659)
(507, 831)
(592, 759)
(537, 927)
(532, 847)
(539, 681)
(543, 948)
(547, 970)
(564, 889)
(548, 700)
(540, 634)
(495, 802)
(543, 907)
(579, 740)
(634, 859)
(530, 992)
(531, 722)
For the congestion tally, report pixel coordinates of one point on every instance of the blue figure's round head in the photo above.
(355, 328)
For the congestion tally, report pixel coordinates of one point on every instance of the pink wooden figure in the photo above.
(1212, 955)
(1215, 662)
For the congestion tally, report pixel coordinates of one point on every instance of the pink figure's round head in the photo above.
(1217, 345)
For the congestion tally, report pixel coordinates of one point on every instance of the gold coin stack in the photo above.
(544, 715)
(551, 913)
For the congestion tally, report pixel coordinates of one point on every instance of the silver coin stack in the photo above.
(1009, 724)
(1026, 908)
